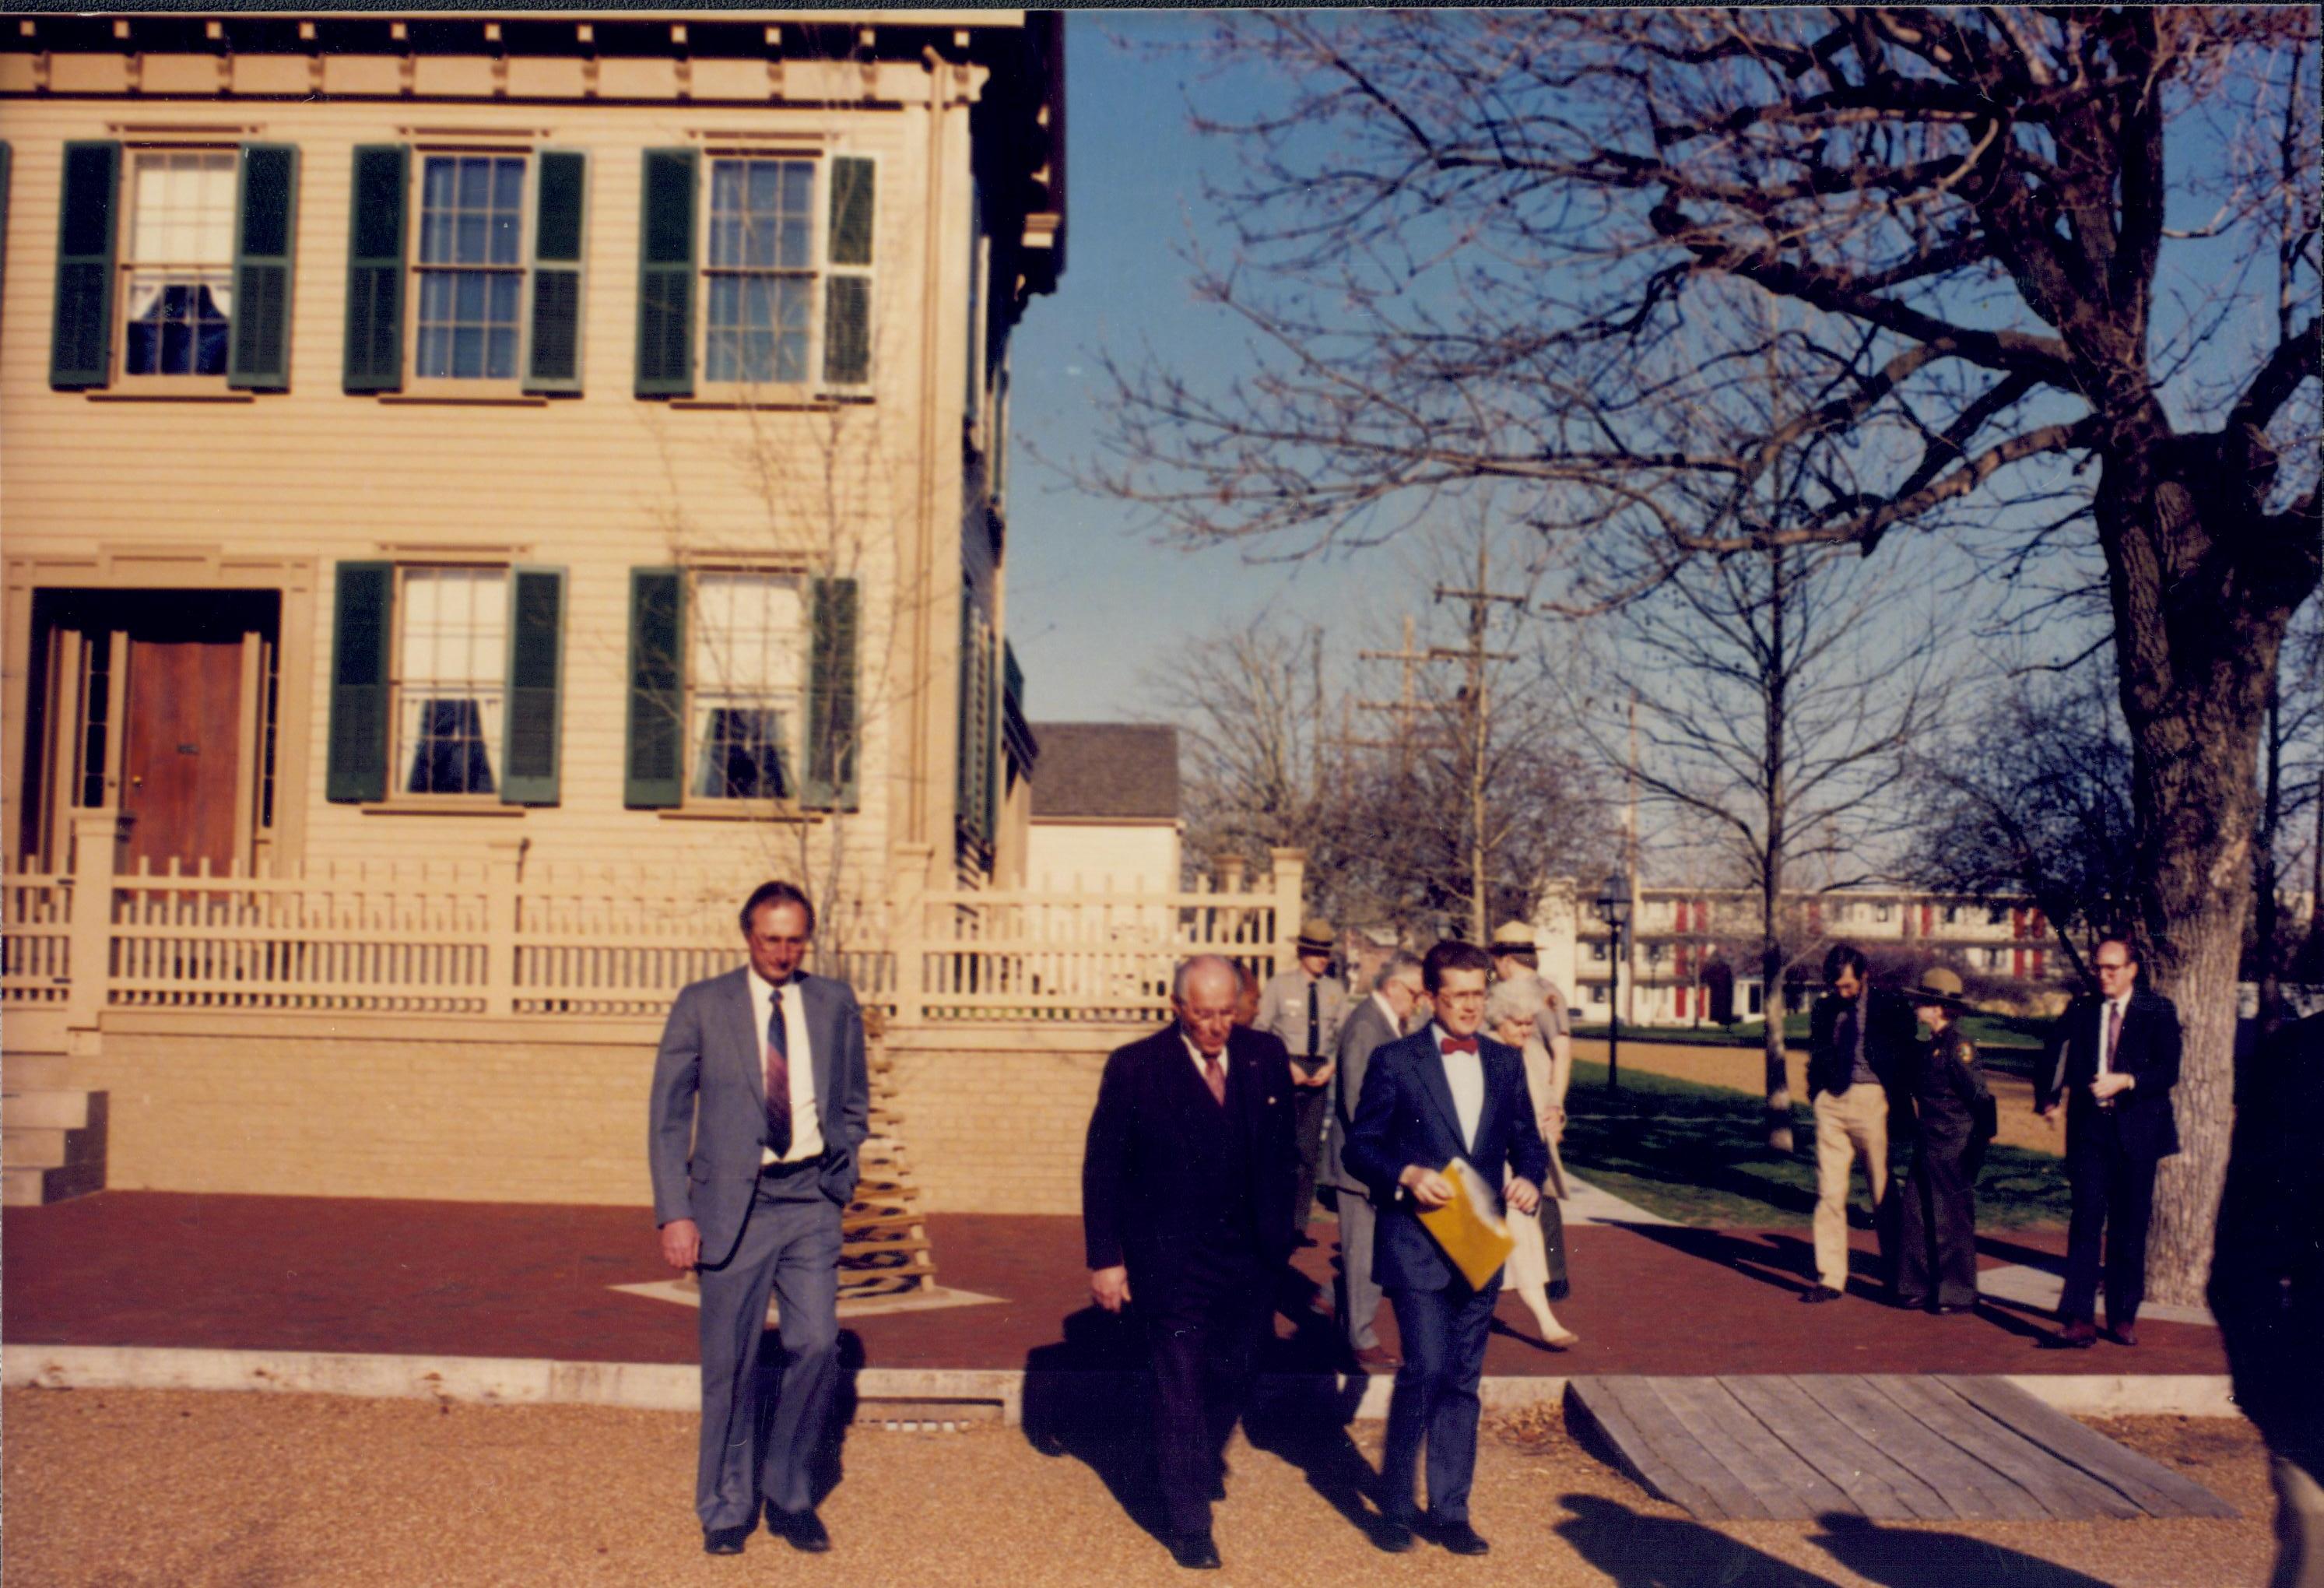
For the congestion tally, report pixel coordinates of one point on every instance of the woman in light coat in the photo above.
(1523, 1012)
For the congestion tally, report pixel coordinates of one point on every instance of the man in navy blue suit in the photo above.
(1441, 1094)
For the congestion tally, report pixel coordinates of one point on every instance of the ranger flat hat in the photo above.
(1316, 935)
(1938, 985)
(1513, 937)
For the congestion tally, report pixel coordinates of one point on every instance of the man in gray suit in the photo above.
(1378, 1020)
(759, 1101)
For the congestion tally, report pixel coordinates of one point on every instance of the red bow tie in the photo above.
(1459, 1044)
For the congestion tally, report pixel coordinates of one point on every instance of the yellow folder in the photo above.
(1469, 1227)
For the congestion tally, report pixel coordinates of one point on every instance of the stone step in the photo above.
(30, 1187)
(35, 1072)
(29, 1147)
(58, 1111)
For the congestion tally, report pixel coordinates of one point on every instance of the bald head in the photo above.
(1203, 993)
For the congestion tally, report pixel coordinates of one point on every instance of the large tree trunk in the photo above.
(2201, 600)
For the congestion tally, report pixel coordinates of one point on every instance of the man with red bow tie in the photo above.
(1441, 1094)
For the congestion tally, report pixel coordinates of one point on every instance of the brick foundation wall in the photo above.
(538, 1111)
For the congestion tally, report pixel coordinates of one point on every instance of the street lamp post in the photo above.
(1614, 910)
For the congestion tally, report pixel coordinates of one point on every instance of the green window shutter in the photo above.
(665, 274)
(375, 229)
(80, 345)
(655, 768)
(266, 208)
(529, 750)
(554, 362)
(992, 749)
(359, 651)
(847, 289)
(833, 718)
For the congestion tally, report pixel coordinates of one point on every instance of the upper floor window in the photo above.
(180, 261)
(764, 269)
(1952, 915)
(470, 266)
(465, 266)
(1883, 912)
(186, 253)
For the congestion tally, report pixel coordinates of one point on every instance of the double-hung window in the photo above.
(742, 688)
(470, 267)
(463, 268)
(180, 264)
(173, 265)
(755, 273)
(445, 682)
(746, 668)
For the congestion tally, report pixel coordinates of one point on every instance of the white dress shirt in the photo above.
(806, 1125)
(1464, 1073)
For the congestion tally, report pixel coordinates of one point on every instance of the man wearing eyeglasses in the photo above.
(2113, 1060)
(1444, 1092)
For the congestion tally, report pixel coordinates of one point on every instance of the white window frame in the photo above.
(794, 746)
(490, 725)
(127, 266)
(819, 272)
(416, 269)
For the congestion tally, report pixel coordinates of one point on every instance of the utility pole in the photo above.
(1476, 724)
(1403, 709)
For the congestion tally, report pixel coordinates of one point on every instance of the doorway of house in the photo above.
(159, 705)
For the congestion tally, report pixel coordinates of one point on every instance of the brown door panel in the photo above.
(180, 754)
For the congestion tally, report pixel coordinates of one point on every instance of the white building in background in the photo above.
(1105, 814)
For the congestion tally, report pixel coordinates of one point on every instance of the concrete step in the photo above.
(28, 1146)
(35, 1072)
(37, 1187)
(56, 1111)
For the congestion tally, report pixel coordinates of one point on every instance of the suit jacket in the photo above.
(1155, 1154)
(1404, 1115)
(2148, 1052)
(707, 1118)
(1891, 1043)
(1365, 1032)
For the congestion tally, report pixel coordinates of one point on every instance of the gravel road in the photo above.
(175, 1489)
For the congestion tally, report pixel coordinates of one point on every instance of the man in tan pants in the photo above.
(1859, 1050)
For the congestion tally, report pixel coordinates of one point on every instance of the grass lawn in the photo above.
(1697, 1155)
(2008, 1044)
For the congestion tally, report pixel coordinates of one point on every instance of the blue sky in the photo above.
(1092, 603)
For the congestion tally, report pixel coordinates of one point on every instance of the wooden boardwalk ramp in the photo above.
(1892, 1446)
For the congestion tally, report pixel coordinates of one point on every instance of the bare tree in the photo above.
(1778, 693)
(1468, 242)
(2032, 797)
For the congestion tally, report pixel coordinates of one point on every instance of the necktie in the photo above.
(1215, 1073)
(2113, 1036)
(1459, 1044)
(1314, 1021)
(779, 1078)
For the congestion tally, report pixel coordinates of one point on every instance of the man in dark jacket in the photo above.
(1442, 1094)
(2113, 1060)
(1860, 1063)
(2267, 1281)
(1187, 1185)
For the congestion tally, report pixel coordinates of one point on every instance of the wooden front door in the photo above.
(181, 752)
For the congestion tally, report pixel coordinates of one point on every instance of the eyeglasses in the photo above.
(1476, 997)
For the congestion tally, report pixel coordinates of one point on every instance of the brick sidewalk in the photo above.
(432, 1278)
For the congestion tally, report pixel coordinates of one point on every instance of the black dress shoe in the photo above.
(1817, 1295)
(2123, 1334)
(1459, 1538)
(801, 1529)
(2078, 1335)
(1195, 1552)
(1392, 1536)
(724, 1540)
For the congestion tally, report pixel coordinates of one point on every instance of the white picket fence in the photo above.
(495, 936)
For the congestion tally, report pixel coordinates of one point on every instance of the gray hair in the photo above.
(1403, 965)
(1187, 967)
(1517, 998)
